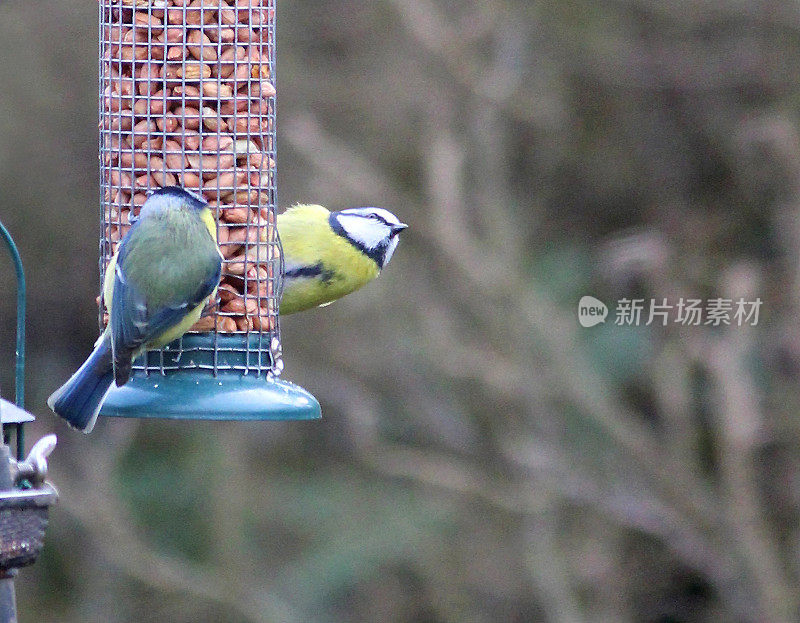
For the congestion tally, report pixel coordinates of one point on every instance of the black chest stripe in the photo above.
(311, 272)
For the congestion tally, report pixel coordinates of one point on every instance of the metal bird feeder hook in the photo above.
(25, 496)
(187, 97)
(19, 387)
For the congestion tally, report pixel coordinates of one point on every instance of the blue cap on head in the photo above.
(193, 199)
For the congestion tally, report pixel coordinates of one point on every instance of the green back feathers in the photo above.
(170, 256)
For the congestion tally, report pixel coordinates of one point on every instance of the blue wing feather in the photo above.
(134, 323)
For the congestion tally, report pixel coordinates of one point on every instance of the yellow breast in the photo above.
(321, 266)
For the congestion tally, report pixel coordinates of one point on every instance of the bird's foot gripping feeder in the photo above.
(187, 98)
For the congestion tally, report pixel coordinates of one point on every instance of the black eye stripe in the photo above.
(371, 215)
(378, 217)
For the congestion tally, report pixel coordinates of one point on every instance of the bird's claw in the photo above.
(211, 307)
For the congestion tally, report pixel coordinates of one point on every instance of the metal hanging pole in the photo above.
(25, 497)
(8, 599)
(19, 389)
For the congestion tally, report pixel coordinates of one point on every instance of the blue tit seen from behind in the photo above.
(330, 254)
(165, 270)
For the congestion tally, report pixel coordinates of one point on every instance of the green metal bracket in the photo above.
(19, 394)
(209, 387)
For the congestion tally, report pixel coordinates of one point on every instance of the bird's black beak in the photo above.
(396, 229)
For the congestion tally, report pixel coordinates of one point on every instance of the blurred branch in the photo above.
(115, 538)
(547, 565)
(344, 165)
(498, 84)
(528, 496)
(477, 270)
(710, 13)
(741, 428)
(690, 503)
(94, 504)
(541, 471)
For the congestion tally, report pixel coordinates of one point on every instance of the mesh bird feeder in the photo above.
(187, 98)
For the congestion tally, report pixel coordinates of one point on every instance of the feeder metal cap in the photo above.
(12, 414)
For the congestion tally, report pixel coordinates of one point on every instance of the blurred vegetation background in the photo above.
(482, 457)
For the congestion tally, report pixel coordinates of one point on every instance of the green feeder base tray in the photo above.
(199, 394)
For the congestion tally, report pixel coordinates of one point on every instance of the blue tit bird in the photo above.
(166, 268)
(327, 255)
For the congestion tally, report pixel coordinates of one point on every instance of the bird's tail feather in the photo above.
(78, 400)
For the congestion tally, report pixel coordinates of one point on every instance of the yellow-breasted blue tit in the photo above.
(166, 268)
(329, 254)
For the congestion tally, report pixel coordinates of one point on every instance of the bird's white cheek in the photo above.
(364, 231)
(390, 250)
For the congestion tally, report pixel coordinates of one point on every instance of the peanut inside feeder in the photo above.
(187, 98)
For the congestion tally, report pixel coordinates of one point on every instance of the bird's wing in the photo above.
(134, 322)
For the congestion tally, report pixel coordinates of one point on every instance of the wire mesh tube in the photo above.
(187, 97)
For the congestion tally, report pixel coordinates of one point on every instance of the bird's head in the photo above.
(171, 197)
(371, 230)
